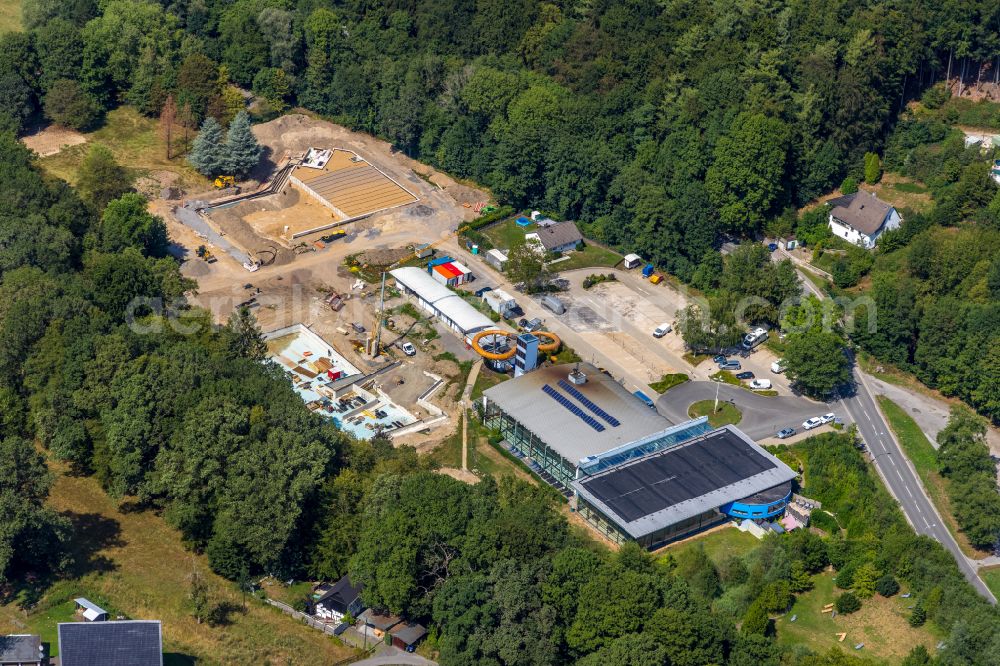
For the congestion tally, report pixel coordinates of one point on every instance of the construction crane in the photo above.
(376, 337)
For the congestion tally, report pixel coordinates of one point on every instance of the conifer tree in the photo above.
(208, 153)
(242, 149)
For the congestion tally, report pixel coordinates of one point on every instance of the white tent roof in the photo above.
(632, 257)
(466, 317)
(443, 299)
(424, 285)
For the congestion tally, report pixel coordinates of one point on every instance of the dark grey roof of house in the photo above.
(674, 484)
(340, 595)
(862, 211)
(559, 234)
(408, 632)
(118, 643)
(20, 649)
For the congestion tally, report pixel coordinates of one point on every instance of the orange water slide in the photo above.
(550, 346)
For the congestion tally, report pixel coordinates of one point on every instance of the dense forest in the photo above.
(660, 125)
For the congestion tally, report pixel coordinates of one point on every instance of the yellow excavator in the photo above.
(222, 182)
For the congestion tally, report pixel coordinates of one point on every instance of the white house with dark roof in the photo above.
(860, 218)
(561, 237)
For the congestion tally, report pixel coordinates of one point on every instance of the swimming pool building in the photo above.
(632, 474)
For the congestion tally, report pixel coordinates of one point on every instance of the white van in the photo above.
(661, 330)
(778, 366)
(760, 384)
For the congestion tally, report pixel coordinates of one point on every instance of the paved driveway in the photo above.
(762, 415)
(389, 655)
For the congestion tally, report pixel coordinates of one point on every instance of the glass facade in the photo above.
(524, 444)
(664, 440)
(650, 541)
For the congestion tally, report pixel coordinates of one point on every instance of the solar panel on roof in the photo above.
(586, 402)
(677, 475)
(565, 402)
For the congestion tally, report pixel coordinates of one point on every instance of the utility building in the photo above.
(633, 475)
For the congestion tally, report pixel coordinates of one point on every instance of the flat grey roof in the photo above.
(562, 430)
(674, 484)
(20, 648)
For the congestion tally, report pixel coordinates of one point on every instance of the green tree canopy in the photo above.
(816, 362)
(100, 178)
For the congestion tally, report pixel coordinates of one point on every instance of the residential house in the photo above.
(118, 643)
(860, 218)
(22, 650)
(337, 600)
(560, 237)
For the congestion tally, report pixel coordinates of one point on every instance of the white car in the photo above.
(817, 421)
(760, 384)
(661, 330)
(409, 349)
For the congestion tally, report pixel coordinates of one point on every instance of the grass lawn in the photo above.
(725, 377)
(727, 412)
(135, 142)
(695, 359)
(507, 233)
(991, 577)
(667, 382)
(591, 256)
(289, 594)
(718, 544)
(819, 282)
(486, 379)
(449, 452)
(881, 625)
(902, 192)
(134, 564)
(10, 16)
(919, 450)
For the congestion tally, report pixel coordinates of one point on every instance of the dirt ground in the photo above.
(52, 139)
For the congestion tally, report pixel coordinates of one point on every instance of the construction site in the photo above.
(303, 247)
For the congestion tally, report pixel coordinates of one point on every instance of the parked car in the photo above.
(817, 421)
(358, 327)
(760, 384)
(532, 325)
(661, 330)
(745, 375)
(730, 365)
(721, 358)
(814, 422)
(409, 349)
(778, 366)
(772, 247)
(785, 433)
(483, 290)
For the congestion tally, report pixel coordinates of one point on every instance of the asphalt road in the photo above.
(902, 481)
(763, 416)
